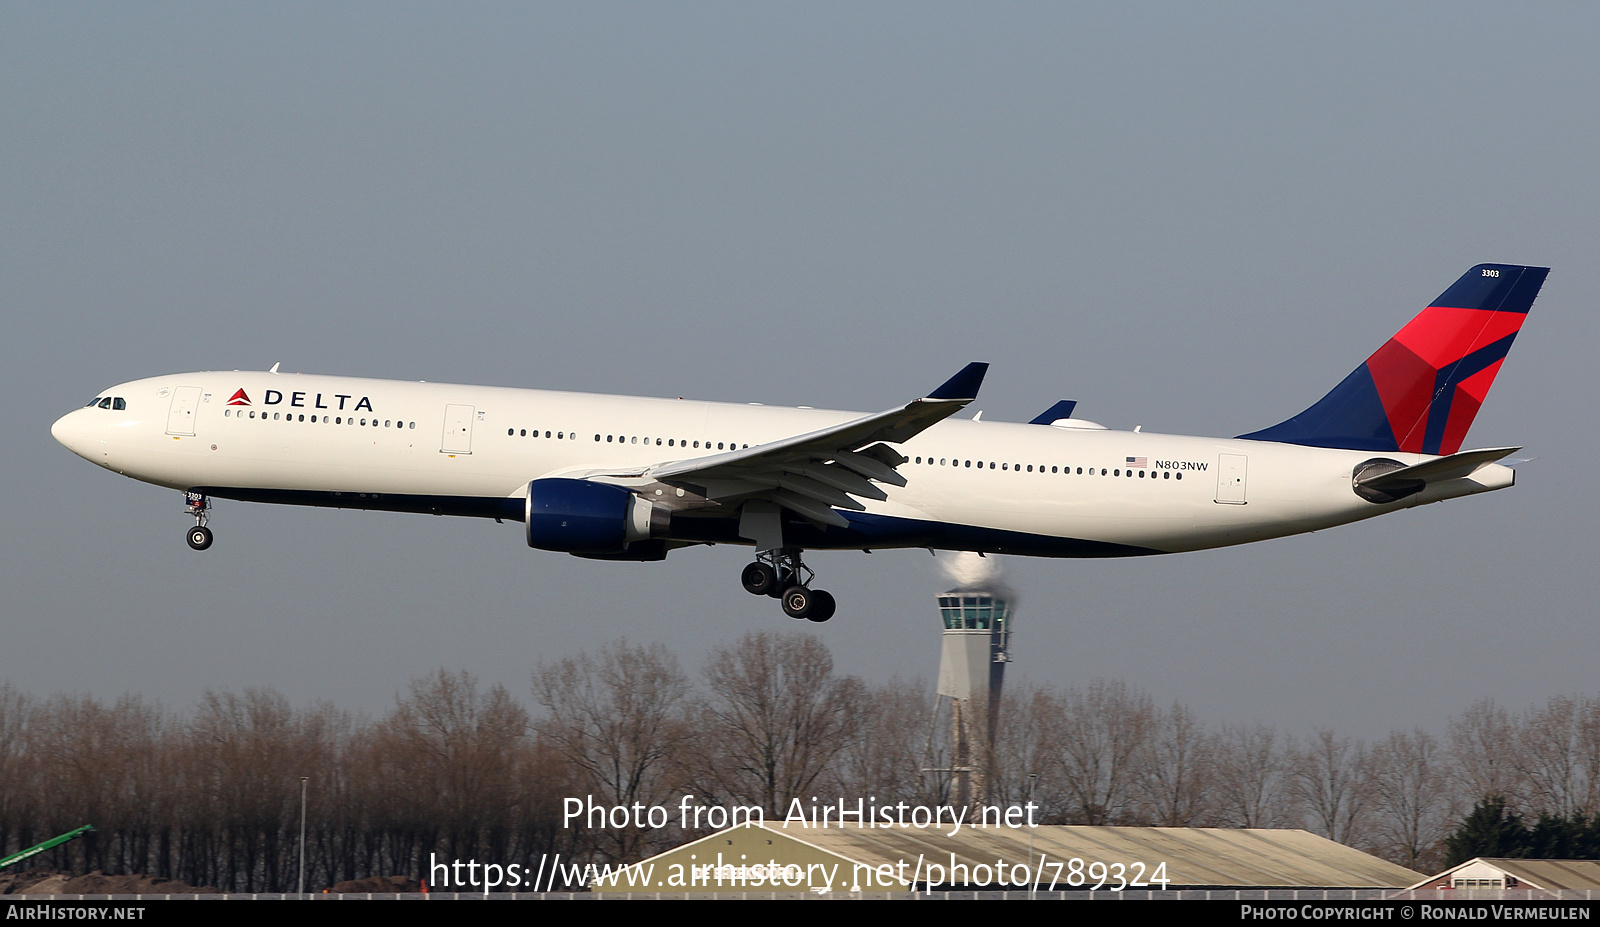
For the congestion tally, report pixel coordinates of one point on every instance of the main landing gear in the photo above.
(782, 575)
(197, 504)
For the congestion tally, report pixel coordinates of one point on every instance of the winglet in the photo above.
(1060, 410)
(963, 385)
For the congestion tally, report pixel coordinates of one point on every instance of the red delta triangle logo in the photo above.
(239, 399)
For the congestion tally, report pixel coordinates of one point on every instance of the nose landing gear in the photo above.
(781, 574)
(196, 505)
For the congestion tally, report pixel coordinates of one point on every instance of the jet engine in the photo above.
(584, 517)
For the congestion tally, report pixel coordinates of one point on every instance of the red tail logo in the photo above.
(239, 399)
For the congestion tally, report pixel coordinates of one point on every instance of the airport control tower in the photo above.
(977, 638)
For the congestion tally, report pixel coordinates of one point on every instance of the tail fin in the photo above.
(1420, 392)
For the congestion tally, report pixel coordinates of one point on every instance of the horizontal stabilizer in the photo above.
(1408, 479)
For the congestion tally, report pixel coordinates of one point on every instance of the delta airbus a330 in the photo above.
(625, 478)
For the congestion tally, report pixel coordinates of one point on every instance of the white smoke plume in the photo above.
(972, 571)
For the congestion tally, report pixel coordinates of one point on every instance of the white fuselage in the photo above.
(993, 485)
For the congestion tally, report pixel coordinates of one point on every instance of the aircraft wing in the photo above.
(812, 474)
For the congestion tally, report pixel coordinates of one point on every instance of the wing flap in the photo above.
(809, 508)
(839, 478)
(827, 495)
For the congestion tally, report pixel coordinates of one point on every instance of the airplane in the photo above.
(631, 479)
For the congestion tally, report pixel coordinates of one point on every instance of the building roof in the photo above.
(1193, 857)
(1549, 874)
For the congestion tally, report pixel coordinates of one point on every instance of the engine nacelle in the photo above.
(584, 517)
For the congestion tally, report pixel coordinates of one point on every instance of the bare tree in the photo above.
(1412, 809)
(776, 720)
(455, 752)
(618, 718)
(1252, 777)
(1177, 782)
(1020, 757)
(1330, 781)
(1558, 756)
(1092, 738)
(897, 752)
(18, 717)
(1483, 745)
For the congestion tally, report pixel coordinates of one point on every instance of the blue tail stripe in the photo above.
(1445, 381)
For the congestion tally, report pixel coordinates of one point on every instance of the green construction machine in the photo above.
(50, 844)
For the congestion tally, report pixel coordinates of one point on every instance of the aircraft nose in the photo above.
(69, 431)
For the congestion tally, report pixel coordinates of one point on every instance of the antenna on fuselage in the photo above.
(274, 368)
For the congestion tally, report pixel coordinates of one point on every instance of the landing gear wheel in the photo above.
(759, 579)
(797, 601)
(822, 605)
(199, 537)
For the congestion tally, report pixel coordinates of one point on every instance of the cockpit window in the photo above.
(92, 403)
(105, 403)
(118, 404)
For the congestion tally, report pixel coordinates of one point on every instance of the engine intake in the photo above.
(584, 517)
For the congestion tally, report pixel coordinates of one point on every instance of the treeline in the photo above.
(1495, 831)
(460, 771)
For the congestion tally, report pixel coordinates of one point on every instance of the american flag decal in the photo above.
(1138, 461)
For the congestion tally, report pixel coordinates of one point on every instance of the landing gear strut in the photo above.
(197, 504)
(781, 574)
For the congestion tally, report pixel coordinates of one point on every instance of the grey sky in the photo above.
(1194, 217)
